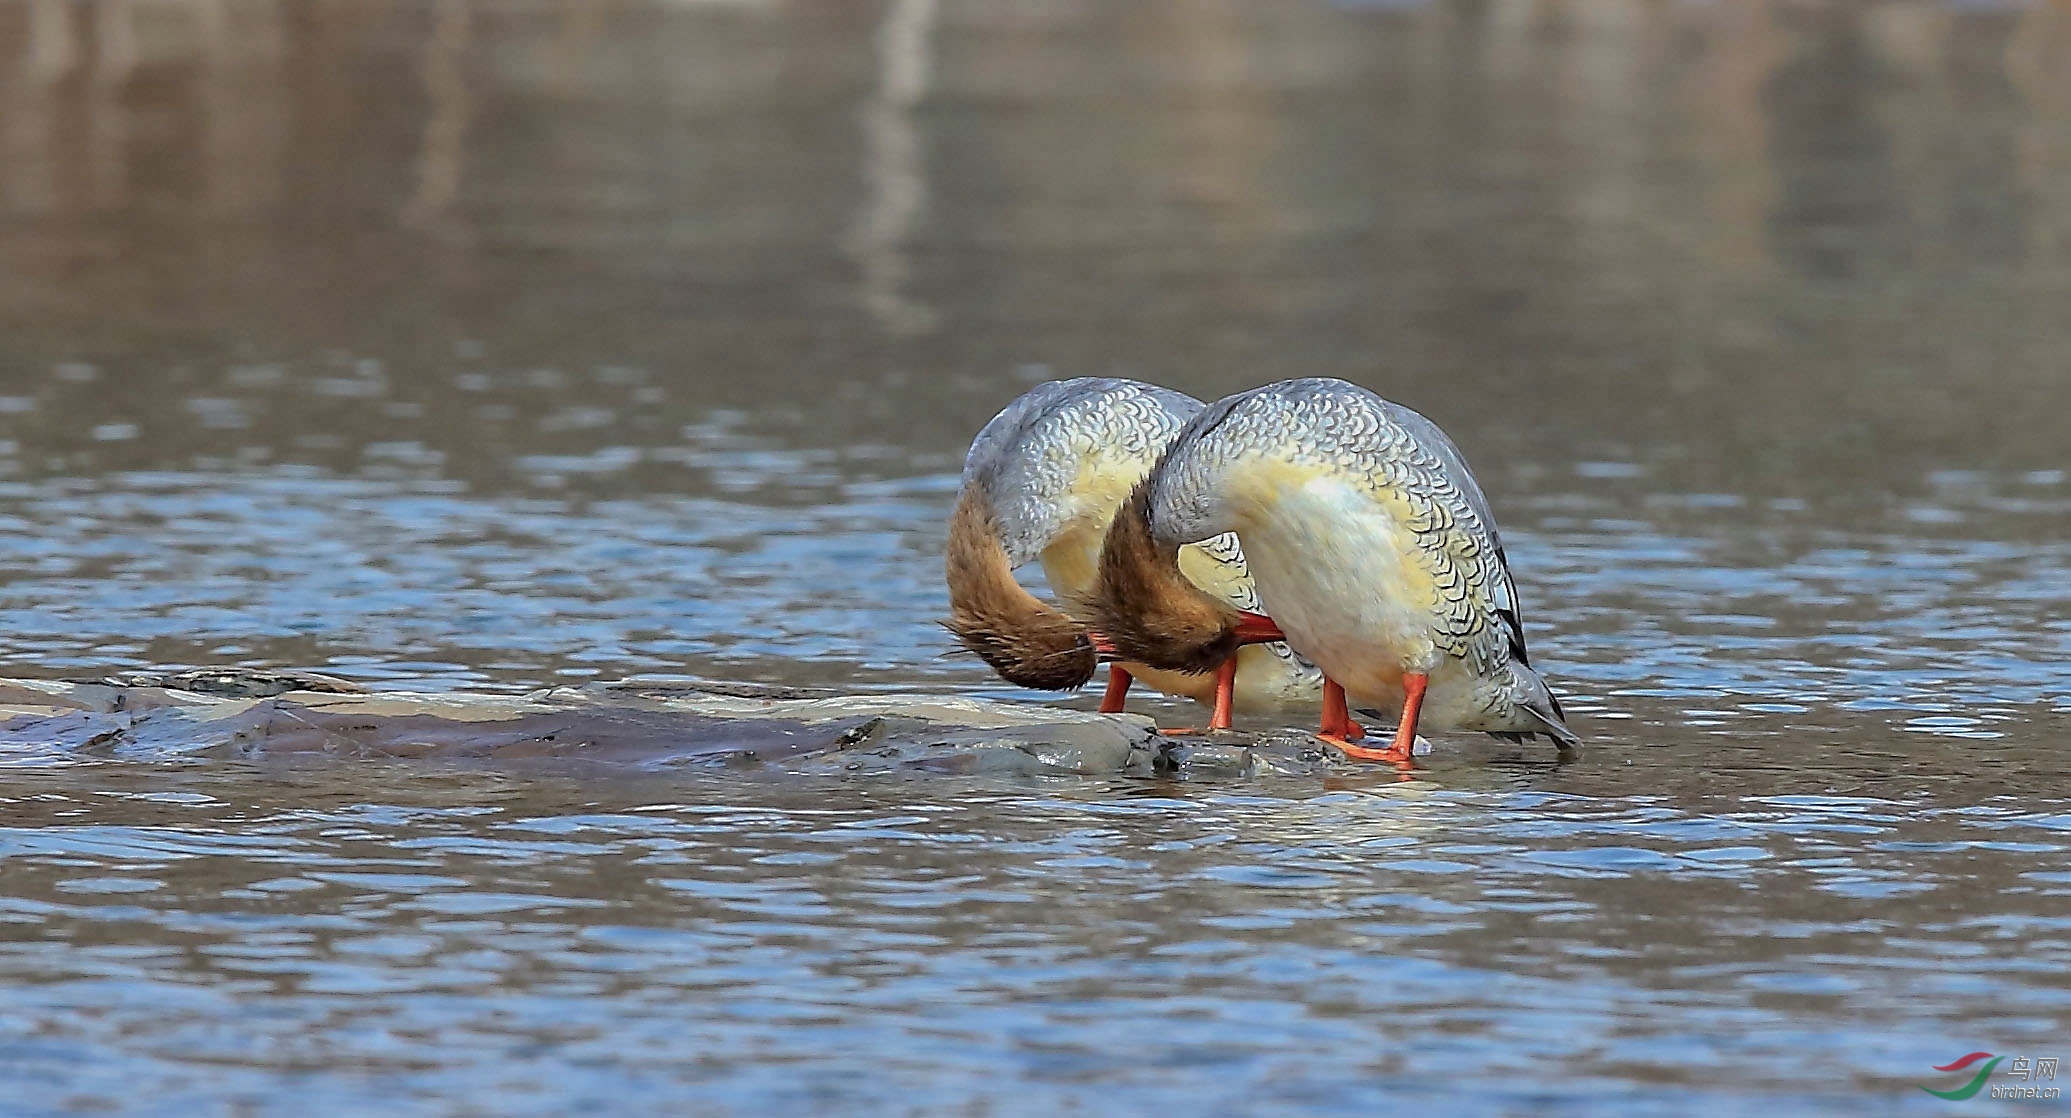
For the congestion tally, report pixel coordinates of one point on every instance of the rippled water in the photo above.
(486, 347)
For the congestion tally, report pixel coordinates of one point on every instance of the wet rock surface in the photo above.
(718, 725)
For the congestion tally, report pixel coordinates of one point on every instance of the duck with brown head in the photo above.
(1374, 551)
(1041, 483)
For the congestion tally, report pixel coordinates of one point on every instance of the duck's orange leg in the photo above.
(1251, 628)
(1338, 727)
(1118, 681)
(1225, 701)
(1413, 684)
(1404, 746)
(1225, 695)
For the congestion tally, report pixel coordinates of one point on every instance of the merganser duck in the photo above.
(1374, 551)
(1041, 482)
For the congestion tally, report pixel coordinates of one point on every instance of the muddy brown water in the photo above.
(478, 346)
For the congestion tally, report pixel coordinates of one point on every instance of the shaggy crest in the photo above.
(1148, 610)
(1029, 643)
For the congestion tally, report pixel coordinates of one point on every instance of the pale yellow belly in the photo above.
(1340, 574)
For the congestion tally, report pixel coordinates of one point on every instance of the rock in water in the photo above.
(631, 725)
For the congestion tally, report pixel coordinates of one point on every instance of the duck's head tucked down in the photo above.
(1041, 482)
(1027, 641)
(1150, 612)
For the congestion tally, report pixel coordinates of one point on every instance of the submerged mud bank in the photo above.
(725, 726)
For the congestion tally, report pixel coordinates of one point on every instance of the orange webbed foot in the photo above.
(1365, 752)
(1393, 755)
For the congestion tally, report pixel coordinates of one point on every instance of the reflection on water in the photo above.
(897, 191)
(484, 345)
(1834, 223)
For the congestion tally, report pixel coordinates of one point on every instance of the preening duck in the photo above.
(1373, 548)
(1041, 483)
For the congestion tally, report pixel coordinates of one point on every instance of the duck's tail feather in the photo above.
(1555, 729)
(1540, 708)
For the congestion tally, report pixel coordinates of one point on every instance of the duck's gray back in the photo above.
(1026, 460)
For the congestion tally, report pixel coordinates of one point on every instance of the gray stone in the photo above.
(627, 725)
(633, 725)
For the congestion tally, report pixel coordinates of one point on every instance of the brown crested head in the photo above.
(1029, 643)
(1147, 609)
